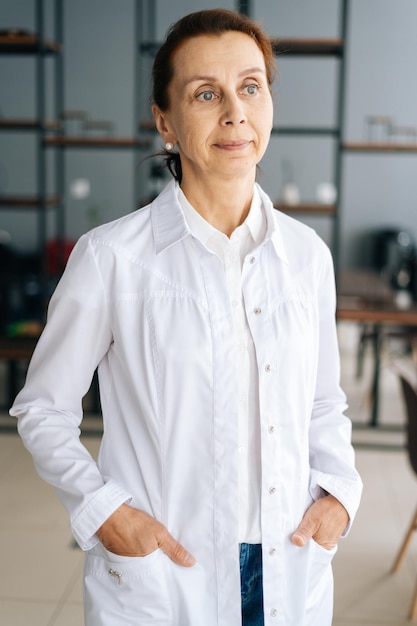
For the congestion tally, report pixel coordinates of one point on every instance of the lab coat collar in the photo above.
(170, 227)
(168, 221)
(274, 229)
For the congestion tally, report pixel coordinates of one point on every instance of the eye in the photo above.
(207, 96)
(252, 89)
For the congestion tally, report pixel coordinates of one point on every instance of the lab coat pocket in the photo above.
(319, 603)
(321, 555)
(126, 590)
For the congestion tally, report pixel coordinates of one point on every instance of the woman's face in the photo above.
(220, 113)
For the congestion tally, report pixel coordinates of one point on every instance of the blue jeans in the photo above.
(251, 584)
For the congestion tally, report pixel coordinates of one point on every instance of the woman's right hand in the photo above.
(131, 532)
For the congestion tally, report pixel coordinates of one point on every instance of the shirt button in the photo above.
(252, 260)
(274, 613)
(272, 490)
(257, 310)
(271, 430)
(268, 367)
(272, 551)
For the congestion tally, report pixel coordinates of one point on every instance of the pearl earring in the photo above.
(169, 146)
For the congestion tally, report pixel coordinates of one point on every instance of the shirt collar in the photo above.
(198, 226)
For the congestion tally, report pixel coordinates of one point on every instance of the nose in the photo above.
(233, 111)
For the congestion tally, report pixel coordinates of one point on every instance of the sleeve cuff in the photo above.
(95, 513)
(347, 491)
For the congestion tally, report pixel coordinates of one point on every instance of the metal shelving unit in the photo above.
(51, 137)
(18, 43)
(35, 45)
(50, 133)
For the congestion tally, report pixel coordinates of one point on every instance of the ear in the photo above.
(162, 125)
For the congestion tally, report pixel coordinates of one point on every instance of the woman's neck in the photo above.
(224, 204)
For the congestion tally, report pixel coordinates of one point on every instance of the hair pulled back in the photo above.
(206, 22)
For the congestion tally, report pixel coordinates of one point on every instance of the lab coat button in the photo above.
(272, 490)
(252, 260)
(268, 367)
(257, 310)
(271, 430)
(274, 613)
(272, 551)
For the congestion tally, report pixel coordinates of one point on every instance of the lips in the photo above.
(238, 144)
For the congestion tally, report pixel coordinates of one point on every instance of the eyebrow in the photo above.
(210, 78)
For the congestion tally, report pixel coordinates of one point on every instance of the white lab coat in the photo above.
(147, 303)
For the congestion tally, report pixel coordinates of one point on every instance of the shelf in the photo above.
(290, 46)
(149, 125)
(307, 208)
(352, 146)
(320, 47)
(27, 124)
(97, 142)
(26, 44)
(306, 130)
(27, 202)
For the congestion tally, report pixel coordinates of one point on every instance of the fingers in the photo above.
(307, 528)
(303, 534)
(176, 551)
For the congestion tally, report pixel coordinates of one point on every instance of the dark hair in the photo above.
(207, 22)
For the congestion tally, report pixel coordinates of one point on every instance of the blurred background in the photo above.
(75, 136)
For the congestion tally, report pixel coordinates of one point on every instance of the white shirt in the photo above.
(148, 303)
(232, 252)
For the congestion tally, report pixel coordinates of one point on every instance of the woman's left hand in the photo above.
(324, 521)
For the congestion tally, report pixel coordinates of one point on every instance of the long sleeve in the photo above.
(49, 408)
(331, 452)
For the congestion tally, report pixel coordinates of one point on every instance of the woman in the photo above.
(226, 474)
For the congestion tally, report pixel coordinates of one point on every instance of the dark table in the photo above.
(365, 297)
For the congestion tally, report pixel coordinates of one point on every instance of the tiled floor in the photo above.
(40, 570)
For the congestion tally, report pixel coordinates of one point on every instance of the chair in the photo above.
(410, 397)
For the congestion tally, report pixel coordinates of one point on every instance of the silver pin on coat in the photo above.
(117, 575)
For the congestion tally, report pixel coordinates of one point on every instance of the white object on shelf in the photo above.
(326, 193)
(80, 188)
(291, 194)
